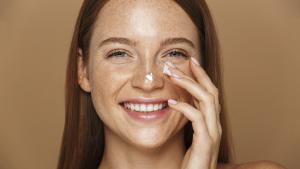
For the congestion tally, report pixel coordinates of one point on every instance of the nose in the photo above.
(148, 76)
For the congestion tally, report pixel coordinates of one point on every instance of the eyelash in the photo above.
(177, 51)
(183, 54)
(116, 51)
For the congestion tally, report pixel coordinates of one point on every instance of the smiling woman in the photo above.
(117, 119)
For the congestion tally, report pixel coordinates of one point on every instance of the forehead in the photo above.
(147, 19)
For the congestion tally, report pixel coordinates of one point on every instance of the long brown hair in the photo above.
(83, 138)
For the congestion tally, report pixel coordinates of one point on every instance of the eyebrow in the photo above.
(168, 41)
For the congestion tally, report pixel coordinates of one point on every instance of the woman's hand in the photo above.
(203, 152)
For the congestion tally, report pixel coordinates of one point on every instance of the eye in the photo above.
(177, 53)
(117, 54)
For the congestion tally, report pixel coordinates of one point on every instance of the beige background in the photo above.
(260, 41)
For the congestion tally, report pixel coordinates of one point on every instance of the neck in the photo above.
(120, 154)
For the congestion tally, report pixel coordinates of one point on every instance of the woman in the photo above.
(136, 95)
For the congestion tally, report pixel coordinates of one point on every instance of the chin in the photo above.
(147, 145)
(148, 139)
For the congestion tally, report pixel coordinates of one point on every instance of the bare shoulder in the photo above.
(227, 166)
(263, 164)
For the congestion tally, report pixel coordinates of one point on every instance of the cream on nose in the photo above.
(163, 67)
(149, 76)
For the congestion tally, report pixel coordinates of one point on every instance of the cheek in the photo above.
(106, 75)
(105, 85)
(106, 81)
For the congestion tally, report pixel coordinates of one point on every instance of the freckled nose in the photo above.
(148, 77)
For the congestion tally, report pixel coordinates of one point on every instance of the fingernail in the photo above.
(172, 101)
(195, 61)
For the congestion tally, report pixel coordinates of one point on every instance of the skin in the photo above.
(133, 145)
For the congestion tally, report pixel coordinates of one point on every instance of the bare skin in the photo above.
(132, 145)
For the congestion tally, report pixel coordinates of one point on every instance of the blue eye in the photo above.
(177, 53)
(118, 54)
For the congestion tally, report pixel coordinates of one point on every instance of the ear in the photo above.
(82, 73)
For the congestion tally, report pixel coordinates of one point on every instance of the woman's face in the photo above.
(112, 79)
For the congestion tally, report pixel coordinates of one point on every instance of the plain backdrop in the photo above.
(260, 42)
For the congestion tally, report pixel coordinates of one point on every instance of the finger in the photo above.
(201, 95)
(194, 88)
(196, 104)
(196, 117)
(203, 143)
(216, 102)
(202, 77)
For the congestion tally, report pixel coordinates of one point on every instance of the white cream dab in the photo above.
(149, 76)
(166, 70)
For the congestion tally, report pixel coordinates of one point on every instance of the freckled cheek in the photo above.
(107, 79)
(104, 91)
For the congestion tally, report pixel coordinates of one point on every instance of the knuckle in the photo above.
(209, 97)
(220, 132)
(220, 127)
(216, 91)
(217, 136)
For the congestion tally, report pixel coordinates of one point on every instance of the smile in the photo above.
(145, 108)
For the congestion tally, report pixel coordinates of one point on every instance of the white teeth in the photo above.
(160, 106)
(136, 107)
(150, 107)
(144, 107)
(131, 106)
(155, 107)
